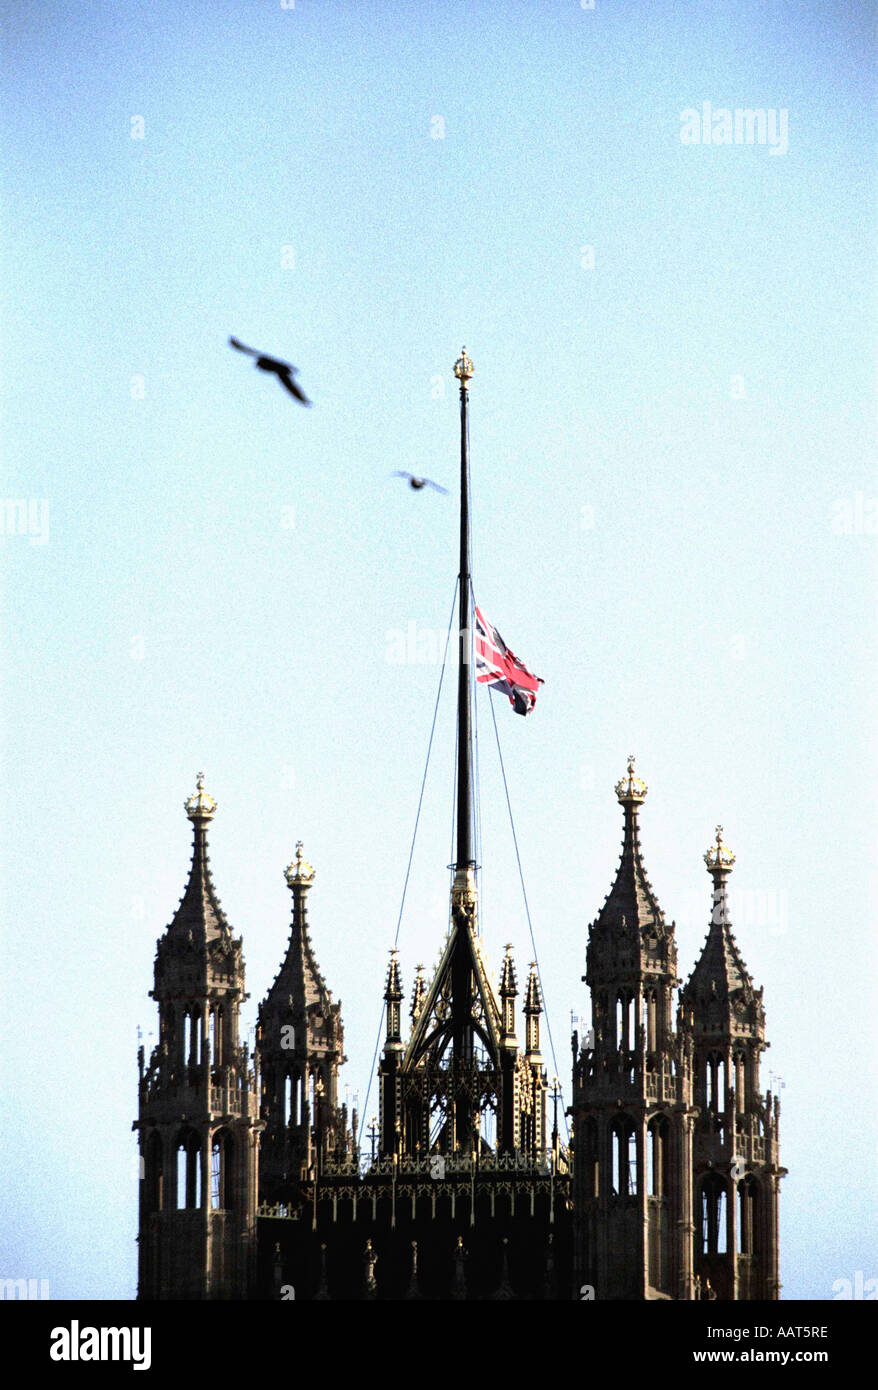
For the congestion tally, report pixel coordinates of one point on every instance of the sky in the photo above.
(672, 426)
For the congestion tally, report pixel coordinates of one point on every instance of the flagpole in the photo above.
(463, 370)
(463, 894)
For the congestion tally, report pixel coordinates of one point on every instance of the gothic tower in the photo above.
(300, 1047)
(198, 1119)
(736, 1165)
(632, 1112)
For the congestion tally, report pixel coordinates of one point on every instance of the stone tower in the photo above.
(198, 1117)
(300, 1043)
(632, 1107)
(736, 1166)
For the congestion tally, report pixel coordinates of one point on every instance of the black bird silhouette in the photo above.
(418, 483)
(282, 370)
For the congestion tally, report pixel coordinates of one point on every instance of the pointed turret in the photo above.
(198, 1118)
(533, 1074)
(301, 1047)
(737, 1173)
(391, 1058)
(631, 904)
(509, 1114)
(631, 948)
(631, 1092)
(393, 997)
(508, 992)
(720, 994)
(419, 994)
(533, 1007)
(199, 921)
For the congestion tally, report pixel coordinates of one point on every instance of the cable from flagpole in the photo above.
(451, 856)
(477, 797)
(412, 849)
(527, 911)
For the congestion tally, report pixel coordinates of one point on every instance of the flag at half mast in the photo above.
(500, 669)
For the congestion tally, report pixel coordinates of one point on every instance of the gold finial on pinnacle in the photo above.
(200, 805)
(299, 874)
(463, 369)
(719, 856)
(631, 790)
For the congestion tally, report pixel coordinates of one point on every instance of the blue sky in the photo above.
(674, 524)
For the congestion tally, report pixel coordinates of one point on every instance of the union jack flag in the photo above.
(500, 668)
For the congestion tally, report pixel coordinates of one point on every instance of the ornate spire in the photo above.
(419, 994)
(508, 991)
(393, 999)
(299, 978)
(299, 994)
(199, 917)
(393, 988)
(631, 904)
(533, 1003)
(533, 1007)
(508, 981)
(720, 990)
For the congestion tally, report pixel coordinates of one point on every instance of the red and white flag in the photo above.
(500, 668)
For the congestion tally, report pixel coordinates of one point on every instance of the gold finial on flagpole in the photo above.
(463, 369)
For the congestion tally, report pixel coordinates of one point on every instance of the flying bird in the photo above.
(282, 370)
(418, 483)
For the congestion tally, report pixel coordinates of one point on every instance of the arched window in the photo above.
(623, 1021)
(211, 1038)
(188, 1184)
(715, 1083)
(187, 1038)
(623, 1146)
(714, 1215)
(222, 1171)
(289, 1101)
